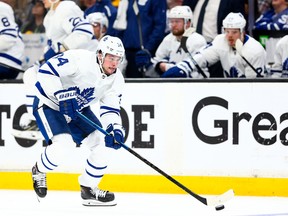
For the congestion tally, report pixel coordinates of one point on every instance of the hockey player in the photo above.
(100, 24)
(280, 66)
(248, 62)
(169, 51)
(11, 44)
(68, 83)
(66, 29)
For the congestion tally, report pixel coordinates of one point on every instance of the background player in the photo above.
(280, 66)
(11, 44)
(66, 29)
(223, 48)
(169, 52)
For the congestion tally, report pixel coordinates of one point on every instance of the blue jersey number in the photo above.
(61, 60)
(5, 22)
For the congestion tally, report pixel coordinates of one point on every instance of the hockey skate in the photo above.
(39, 182)
(28, 131)
(97, 197)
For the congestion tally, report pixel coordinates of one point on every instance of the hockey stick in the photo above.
(183, 41)
(238, 47)
(213, 201)
(143, 69)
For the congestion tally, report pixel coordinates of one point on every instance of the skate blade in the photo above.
(90, 202)
(31, 135)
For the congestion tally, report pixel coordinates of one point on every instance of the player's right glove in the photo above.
(67, 103)
(115, 136)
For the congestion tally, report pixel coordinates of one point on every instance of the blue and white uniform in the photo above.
(280, 66)
(66, 26)
(233, 64)
(169, 50)
(77, 70)
(11, 44)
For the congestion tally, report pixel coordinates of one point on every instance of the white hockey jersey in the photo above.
(232, 62)
(169, 50)
(11, 44)
(66, 25)
(280, 65)
(77, 69)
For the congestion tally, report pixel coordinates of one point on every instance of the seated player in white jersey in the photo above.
(87, 77)
(169, 51)
(11, 44)
(66, 28)
(248, 61)
(99, 23)
(280, 66)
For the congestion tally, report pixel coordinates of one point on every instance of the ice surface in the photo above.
(67, 203)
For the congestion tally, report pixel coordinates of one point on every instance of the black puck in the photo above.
(219, 207)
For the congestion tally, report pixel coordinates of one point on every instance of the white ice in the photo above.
(66, 203)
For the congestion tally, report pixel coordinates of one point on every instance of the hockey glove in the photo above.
(143, 58)
(116, 134)
(67, 103)
(182, 69)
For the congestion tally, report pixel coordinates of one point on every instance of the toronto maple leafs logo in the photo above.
(84, 97)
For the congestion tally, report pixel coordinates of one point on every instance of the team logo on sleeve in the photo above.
(84, 97)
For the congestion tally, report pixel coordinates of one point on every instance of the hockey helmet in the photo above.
(98, 17)
(111, 45)
(234, 20)
(182, 11)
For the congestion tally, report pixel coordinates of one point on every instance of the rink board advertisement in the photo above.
(224, 129)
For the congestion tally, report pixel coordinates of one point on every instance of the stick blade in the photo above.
(189, 31)
(220, 199)
(238, 45)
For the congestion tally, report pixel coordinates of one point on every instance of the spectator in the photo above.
(106, 7)
(84, 4)
(35, 24)
(169, 51)
(142, 30)
(280, 66)
(263, 6)
(11, 44)
(213, 14)
(275, 18)
(247, 61)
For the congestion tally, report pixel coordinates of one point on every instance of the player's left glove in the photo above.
(67, 103)
(143, 58)
(174, 72)
(182, 69)
(116, 134)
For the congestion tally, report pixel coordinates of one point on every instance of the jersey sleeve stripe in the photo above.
(40, 89)
(11, 58)
(109, 108)
(53, 69)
